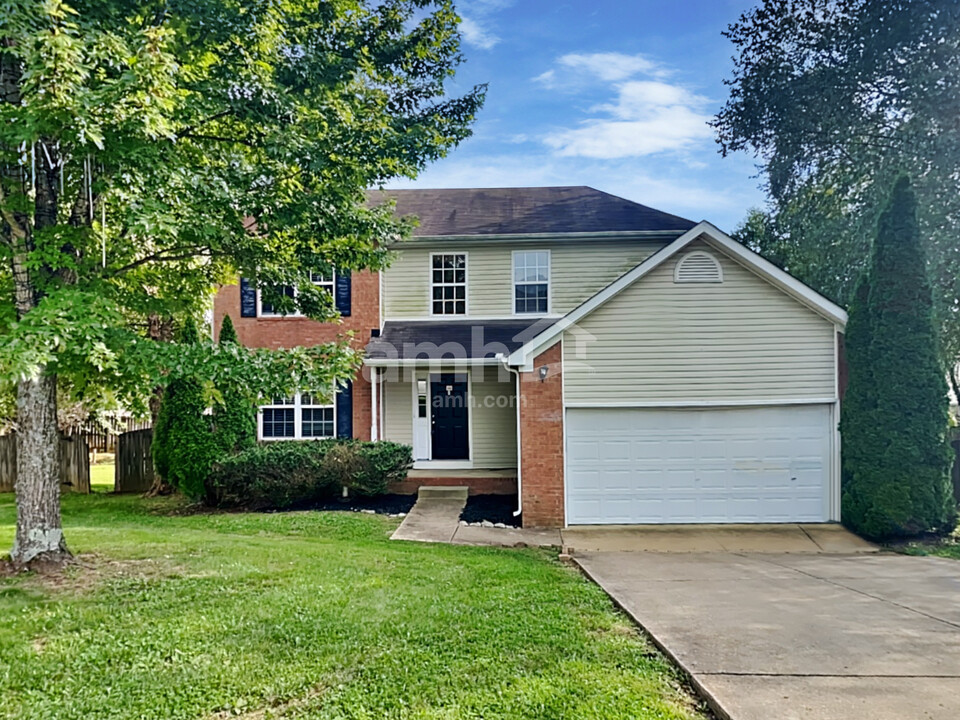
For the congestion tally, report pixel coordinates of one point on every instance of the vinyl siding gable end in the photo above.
(739, 340)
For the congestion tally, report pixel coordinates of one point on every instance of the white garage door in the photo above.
(698, 466)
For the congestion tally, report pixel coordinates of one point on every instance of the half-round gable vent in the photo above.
(698, 267)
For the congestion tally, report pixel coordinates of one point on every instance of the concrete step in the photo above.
(443, 492)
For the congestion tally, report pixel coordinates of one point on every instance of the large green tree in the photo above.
(152, 148)
(837, 98)
(894, 418)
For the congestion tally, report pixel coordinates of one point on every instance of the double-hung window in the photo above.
(531, 281)
(448, 286)
(322, 279)
(301, 417)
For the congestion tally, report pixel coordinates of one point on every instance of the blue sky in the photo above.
(614, 94)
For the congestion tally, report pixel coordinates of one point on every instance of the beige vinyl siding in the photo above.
(493, 421)
(581, 270)
(397, 412)
(739, 340)
(578, 270)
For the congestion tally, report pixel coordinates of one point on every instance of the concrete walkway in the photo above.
(780, 538)
(436, 518)
(800, 636)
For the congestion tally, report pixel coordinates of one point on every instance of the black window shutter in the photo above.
(345, 411)
(248, 298)
(342, 292)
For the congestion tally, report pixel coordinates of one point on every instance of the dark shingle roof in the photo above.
(454, 339)
(511, 211)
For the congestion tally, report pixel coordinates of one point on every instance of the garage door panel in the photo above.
(699, 465)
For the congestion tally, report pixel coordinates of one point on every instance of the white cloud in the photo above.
(576, 68)
(645, 116)
(476, 34)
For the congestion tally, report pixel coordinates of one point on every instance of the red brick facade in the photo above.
(287, 332)
(478, 485)
(541, 441)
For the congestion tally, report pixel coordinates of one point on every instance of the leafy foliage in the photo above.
(151, 150)
(894, 418)
(282, 475)
(235, 416)
(155, 133)
(838, 98)
(183, 445)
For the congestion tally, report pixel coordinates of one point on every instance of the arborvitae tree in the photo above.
(234, 421)
(183, 446)
(894, 420)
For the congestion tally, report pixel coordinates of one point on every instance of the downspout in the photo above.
(374, 410)
(503, 360)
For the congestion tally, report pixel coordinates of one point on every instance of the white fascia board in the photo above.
(428, 362)
(523, 357)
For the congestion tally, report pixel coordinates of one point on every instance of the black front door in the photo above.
(448, 417)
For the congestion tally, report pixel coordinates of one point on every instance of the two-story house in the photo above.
(607, 362)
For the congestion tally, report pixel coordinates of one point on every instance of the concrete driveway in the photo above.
(818, 637)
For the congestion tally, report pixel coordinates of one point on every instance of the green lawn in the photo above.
(101, 477)
(310, 615)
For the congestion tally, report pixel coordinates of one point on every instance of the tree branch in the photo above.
(218, 138)
(160, 256)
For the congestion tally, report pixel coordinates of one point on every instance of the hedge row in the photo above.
(282, 475)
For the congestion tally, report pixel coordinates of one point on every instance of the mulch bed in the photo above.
(382, 504)
(493, 508)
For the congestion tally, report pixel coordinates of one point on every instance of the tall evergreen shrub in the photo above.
(895, 412)
(234, 421)
(183, 447)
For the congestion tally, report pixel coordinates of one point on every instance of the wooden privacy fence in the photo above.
(134, 463)
(102, 437)
(74, 463)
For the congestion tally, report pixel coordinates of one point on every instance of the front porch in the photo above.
(460, 420)
(480, 481)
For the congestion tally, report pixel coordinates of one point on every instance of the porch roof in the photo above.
(453, 340)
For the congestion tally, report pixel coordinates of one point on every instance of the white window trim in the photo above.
(514, 283)
(466, 285)
(297, 408)
(332, 283)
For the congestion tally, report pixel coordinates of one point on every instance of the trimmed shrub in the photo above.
(385, 463)
(894, 417)
(282, 475)
(235, 420)
(183, 447)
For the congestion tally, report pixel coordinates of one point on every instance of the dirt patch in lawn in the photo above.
(85, 572)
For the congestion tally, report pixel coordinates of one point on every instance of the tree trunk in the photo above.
(955, 382)
(39, 535)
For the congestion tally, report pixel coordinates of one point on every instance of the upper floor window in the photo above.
(531, 281)
(301, 417)
(322, 279)
(448, 287)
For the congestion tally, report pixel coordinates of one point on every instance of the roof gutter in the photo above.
(485, 238)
